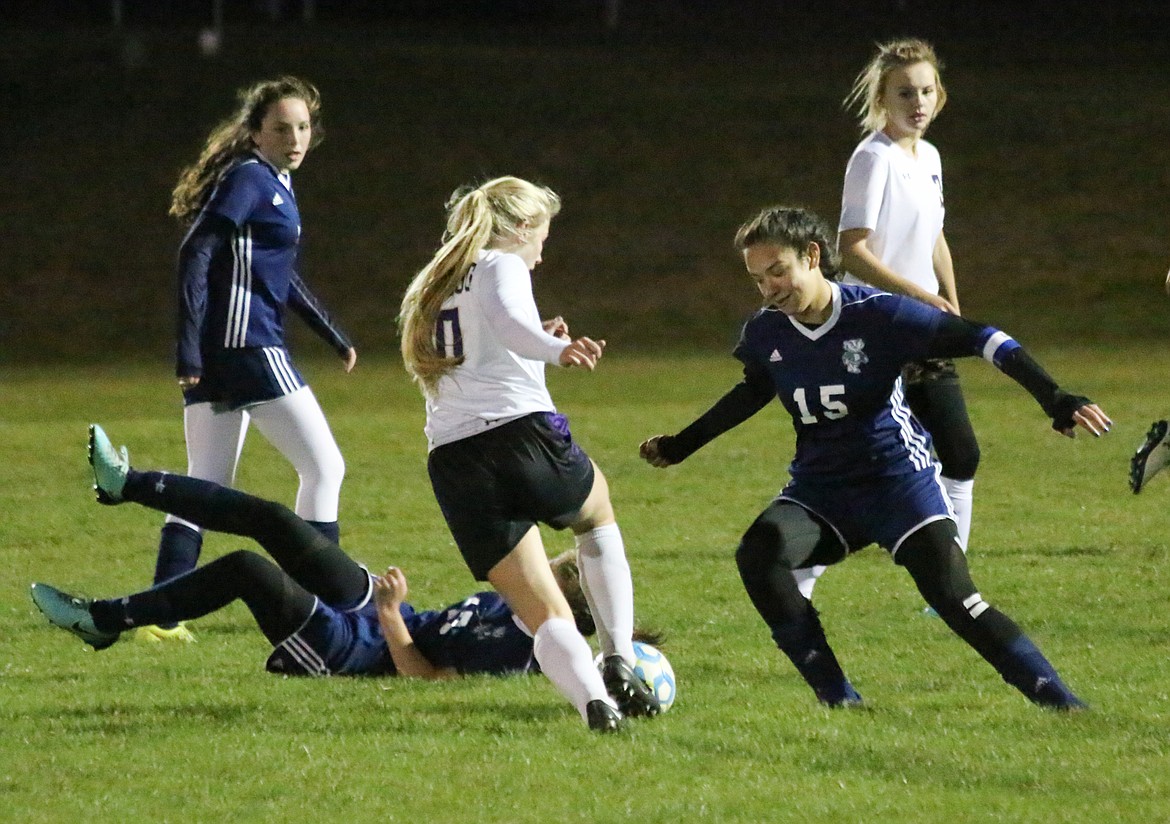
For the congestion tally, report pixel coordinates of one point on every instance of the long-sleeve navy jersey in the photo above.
(238, 269)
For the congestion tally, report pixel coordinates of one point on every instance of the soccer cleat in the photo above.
(1151, 457)
(71, 613)
(634, 697)
(603, 717)
(178, 634)
(1052, 693)
(844, 696)
(110, 467)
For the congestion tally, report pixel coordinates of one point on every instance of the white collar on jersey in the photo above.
(817, 332)
(284, 177)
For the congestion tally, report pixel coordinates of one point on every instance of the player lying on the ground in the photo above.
(323, 612)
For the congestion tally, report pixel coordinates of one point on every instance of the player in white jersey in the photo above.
(891, 236)
(501, 458)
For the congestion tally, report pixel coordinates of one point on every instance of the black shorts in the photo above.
(495, 486)
(235, 378)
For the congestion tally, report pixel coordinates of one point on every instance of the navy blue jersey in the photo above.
(840, 381)
(238, 268)
(476, 635)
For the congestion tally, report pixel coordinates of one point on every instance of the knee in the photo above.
(241, 562)
(270, 517)
(945, 583)
(758, 551)
(327, 469)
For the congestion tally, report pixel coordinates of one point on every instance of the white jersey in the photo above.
(900, 200)
(493, 323)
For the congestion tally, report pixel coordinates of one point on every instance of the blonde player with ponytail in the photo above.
(501, 458)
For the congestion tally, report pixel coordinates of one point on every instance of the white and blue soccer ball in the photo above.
(653, 668)
(656, 671)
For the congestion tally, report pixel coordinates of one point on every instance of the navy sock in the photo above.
(804, 643)
(178, 551)
(329, 529)
(1024, 667)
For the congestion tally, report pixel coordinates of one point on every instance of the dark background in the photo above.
(663, 127)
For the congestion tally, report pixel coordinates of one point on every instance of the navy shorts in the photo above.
(336, 642)
(880, 511)
(235, 378)
(495, 486)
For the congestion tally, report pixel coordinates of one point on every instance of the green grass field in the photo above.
(202, 733)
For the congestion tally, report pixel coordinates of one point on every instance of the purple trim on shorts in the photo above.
(558, 422)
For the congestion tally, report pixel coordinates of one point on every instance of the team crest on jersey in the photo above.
(854, 356)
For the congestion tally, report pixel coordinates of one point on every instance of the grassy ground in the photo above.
(201, 733)
(662, 137)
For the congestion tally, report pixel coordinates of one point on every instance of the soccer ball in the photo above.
(653, 668)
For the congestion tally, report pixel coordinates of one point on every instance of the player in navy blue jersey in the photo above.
(863, 471)
(238, 271)
(322, 611)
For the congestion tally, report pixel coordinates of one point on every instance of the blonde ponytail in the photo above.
(477, 218)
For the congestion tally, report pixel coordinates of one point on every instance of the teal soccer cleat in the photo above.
(71, 613)
(110, 466)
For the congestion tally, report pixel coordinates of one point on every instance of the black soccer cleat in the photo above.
(1150, 458)
(603, 717)
(633, 695)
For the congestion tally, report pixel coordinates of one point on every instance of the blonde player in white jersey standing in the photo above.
(501, 458)
(891, 236)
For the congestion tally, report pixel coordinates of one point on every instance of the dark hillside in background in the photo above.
(661, 133)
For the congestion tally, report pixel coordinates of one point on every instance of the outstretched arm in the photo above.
(744, 399)
(958, 337)
(389, 593)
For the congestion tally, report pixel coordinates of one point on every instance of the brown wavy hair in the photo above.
(233, 137)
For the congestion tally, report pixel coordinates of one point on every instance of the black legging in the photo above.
(280, 598)
(937, 401)
(278, 603)
(786, 537)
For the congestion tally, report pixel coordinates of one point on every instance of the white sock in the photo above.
(806, 579)
(566, 658)
(608, 588)
(961, 494)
